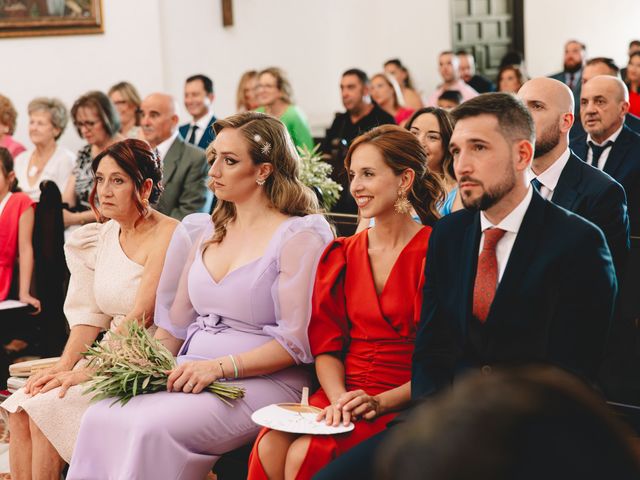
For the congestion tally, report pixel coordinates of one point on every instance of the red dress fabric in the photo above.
(16, 205)
(634, 103)
(403, 114)
(374, 334)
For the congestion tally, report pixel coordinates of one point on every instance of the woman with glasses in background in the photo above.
(97, 121)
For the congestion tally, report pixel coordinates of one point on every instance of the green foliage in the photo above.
(136, 363)
(315, 172)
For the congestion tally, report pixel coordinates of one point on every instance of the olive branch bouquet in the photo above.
(124, 366)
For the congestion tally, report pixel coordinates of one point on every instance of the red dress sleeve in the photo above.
(329, 325)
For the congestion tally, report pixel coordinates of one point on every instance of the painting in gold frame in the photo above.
(27, 18)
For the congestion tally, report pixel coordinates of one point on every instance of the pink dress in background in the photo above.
(10, 144)
(181, 435)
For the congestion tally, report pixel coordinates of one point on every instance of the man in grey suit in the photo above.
(184, 166)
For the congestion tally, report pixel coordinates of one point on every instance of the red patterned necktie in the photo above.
(487, 274)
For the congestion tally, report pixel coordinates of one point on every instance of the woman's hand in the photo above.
(33, 301)
(52, 378)
(332, 415)
(358, 403)
(349, 407)
(193, 377)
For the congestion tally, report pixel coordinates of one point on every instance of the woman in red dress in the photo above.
(16, 229)
(366, 306)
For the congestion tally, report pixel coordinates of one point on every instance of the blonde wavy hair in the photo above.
(269, 142)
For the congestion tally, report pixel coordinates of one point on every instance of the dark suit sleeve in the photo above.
(588, 289)
(435, 351)
(330, 134)
(610, 214)
(194, 189)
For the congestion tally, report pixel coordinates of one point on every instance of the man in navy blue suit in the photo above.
(198, 99)
(510, 280)
(609, 144)
(562, 177)
(594, 67)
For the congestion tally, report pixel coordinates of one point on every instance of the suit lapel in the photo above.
(565, 193)
(521, 255)
(170, 162)
(618, 152)
(580, 147)
(469, 262)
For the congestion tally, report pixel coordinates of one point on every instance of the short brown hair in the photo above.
(103, 106)
(8, 114)
(514, 119)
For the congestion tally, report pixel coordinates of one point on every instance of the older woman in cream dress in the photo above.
(115, 268)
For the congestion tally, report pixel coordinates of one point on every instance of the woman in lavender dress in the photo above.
(234, 299)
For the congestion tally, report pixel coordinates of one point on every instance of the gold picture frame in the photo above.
(29, 18)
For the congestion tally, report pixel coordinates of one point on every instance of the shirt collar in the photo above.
(549, 178)
(163, 148)
(614, 136)
(510, 223)
(203, 122)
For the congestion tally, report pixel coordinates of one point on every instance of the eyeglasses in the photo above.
(89, 124)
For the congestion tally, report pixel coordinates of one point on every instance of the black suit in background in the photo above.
(481, 84)
(553, 305)
(595, 196)
(623, 164)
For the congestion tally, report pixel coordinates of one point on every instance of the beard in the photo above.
(547, 141)
(572, 67)
(490, 196)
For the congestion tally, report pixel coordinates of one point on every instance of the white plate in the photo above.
(295, 418)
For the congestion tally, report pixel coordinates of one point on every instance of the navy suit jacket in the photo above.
(623, 164)
(576, 90)
(553, 304)
(207, 136)
(594, 195)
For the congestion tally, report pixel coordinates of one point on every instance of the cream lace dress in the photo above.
(102, 290)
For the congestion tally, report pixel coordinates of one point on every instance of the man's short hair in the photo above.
(608, 62)
(451, 96)
(446, 52)
(514, 119)
(206, 81)
(634, 43)
(358, 73)
(582, 45)
(462, 51)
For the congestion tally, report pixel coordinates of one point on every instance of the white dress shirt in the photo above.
(202, 126)
(511, 225)
(602, 161)
(164, 147)
(549, 178)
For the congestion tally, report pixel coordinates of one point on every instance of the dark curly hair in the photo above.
(140, 162)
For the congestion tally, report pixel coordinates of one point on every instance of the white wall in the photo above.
(605, 27)
(155, 44)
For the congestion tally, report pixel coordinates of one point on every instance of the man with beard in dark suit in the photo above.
(562, 177)
(510, 280)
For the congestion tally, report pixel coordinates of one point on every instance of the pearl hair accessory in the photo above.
(265, 147)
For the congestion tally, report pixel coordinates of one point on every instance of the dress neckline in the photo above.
(393, 267)
(276, 233)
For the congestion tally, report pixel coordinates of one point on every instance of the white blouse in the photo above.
(58, 169)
